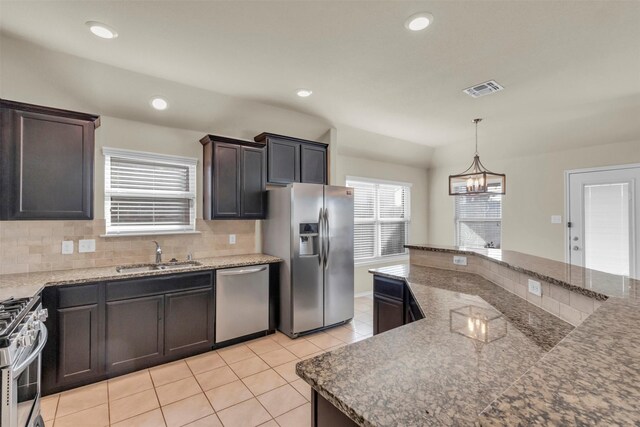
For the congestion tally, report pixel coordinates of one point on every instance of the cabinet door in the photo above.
(412, 310)
(254, 183)
(313, 164)
(189, 318)
(134, 333)
(78, 344)
(388, 313)
(47, 164)
(284, 161)
(226, 180)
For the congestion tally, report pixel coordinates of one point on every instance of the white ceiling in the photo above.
(571, 69)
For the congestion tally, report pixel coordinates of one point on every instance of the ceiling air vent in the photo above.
(483, 89)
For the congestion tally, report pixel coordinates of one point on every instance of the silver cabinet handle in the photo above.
(237, 272)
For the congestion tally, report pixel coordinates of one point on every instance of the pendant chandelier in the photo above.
(477, 179)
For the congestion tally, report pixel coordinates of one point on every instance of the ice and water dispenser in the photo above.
(309, 243)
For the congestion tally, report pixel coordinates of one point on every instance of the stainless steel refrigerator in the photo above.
(310, 226)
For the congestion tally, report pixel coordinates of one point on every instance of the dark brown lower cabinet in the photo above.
(393, 304)
(388, 313)
(388, 304)
(78, 346)
(324, 414)
(192, 308)
(101, 330)
(134, 333)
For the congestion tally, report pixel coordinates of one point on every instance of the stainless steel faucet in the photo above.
(158, 252)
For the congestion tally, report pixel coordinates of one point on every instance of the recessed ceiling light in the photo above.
(102, 30)
(419, 21)
(303, 93)
(159, 103)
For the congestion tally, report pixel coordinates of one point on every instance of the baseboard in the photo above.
(363, 294)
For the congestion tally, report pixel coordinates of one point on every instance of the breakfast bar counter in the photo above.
(540, 371)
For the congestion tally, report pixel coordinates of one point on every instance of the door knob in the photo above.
(576, 248)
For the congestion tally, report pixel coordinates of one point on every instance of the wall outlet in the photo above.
(67, 247)
(460, 260)
(232, 239)
(556, 219)
(535, 287)
(88, 245)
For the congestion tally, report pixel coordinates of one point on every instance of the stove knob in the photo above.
(43, 314)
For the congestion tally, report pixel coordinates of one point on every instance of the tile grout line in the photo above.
(108, 403)
(158, 398)
(202, 390)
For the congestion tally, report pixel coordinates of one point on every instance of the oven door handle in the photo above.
(34, 354)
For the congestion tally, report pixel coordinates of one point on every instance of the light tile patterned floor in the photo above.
(250, 384)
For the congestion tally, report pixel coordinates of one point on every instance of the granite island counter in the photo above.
(543, 371)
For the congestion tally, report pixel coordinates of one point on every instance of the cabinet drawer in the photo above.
(74, 296)
(390, 288)
(157, 285)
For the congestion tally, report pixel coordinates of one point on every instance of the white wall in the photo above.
(535, 191)
(347, 165)
(30, 73)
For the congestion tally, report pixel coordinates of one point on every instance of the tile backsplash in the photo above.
(570, 306)
(31, 246)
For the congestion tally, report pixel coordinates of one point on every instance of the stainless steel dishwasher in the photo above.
(242, 301)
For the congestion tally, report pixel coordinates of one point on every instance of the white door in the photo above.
(604, 209)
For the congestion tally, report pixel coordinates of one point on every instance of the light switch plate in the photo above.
(460, 260)
(232, 239)
(87, 245)
(556, 219)
(67, 247)
(535, 287)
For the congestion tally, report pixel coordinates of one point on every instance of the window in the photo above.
(147, 193)
(381, 217)
(478, 220)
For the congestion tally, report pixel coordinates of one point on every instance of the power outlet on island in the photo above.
(535, 288)
(86, 245)
(460, 260)
(67, 247)
(232, 239)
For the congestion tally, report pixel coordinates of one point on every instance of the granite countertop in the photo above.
(29, 284)
(425, 373)
(593, 283)
(543, 372)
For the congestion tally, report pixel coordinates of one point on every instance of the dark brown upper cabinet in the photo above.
(46, 162)
(294, 160)
(235, 178)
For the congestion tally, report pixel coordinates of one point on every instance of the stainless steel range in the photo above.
(22, 338)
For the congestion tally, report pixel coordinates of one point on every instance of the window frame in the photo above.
(149, 157)
(456, 220)
(377, 258)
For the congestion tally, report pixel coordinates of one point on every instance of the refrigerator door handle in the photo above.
(320, 239)
(327, 232)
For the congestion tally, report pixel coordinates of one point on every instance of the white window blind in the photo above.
(478, 220)
(147, 193)
(381, 218)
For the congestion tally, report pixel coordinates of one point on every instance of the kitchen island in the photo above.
(541, 371)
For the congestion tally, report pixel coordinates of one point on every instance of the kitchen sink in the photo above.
(140, 268)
